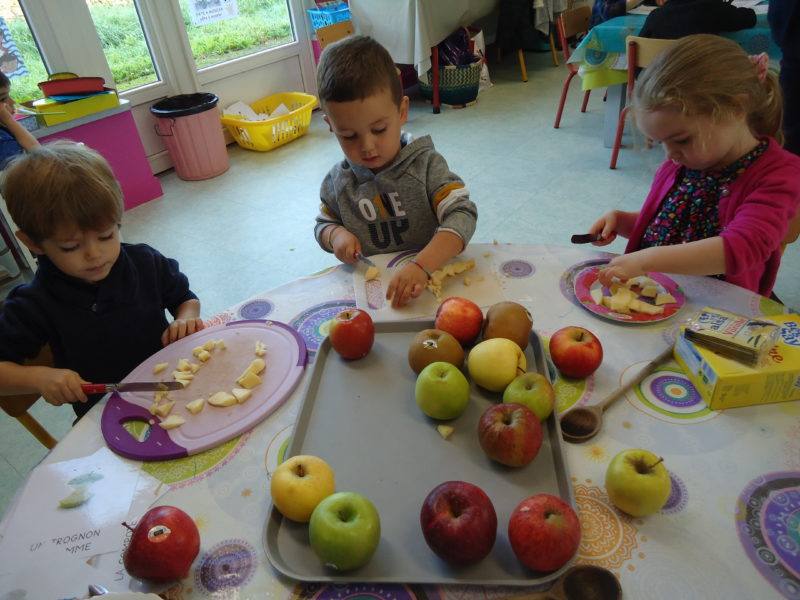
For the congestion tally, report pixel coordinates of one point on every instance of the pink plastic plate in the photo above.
(285, 359)
(586, 281)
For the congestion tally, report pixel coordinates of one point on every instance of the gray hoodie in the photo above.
(402, 206)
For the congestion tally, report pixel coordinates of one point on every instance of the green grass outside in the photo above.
(261, 24)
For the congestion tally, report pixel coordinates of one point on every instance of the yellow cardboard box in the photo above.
(725, 383)
(52, 112)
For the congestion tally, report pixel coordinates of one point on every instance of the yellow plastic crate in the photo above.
(269, 134)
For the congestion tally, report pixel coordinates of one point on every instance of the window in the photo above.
(222, 30)
(20, 59)
(124, 45)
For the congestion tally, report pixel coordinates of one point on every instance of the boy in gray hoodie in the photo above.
(391, 192)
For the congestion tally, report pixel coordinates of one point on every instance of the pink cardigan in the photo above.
(754, 214)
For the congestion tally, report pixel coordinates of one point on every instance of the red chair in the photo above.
(641, 52)
(570, 22)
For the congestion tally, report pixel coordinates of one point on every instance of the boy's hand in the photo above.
(180, 328)
(345, 245)
(60, 386)
(409, 283)
(622, 268)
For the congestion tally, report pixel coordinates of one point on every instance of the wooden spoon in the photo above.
(581, 582)
(584, 422)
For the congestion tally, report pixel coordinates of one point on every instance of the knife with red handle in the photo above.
(141, 386)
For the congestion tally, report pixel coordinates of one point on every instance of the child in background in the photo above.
(390, 192)
(678, 18)
(14, 138)
(98, 303)
(603, 10)
(722, 201)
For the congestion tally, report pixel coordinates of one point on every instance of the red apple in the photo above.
(163, 546)
(458, 522)
(544, 532)
(352, 333)
(576, 351)
(461, 318)
(510, 433)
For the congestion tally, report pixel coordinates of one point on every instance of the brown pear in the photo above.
(434, 345)
(508, 320)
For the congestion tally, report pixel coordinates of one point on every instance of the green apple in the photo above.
(299, 484)
(345, 530)
(494, 363)
(637, 482)
(533, 390)
(441, 391)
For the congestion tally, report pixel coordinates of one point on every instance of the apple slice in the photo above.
(261, 349)
(159, 368)
(249, 380)
(445, 430)
(184, 365)
(222, 399)
(172, 421)
(204, 355)
(195, 406)
(257, 366)
(219, 345)
(162, 410)
(597, 295)
(209, 345)
(241, 395)
(650, 291)
(664, 298)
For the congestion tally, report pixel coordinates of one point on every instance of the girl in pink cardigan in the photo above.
(722, 201)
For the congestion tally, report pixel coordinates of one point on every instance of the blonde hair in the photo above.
(355, 68)
(712, 76)
(61, 183)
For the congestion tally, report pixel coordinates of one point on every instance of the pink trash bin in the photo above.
(191, 128)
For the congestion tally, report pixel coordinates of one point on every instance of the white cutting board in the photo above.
(485, 289)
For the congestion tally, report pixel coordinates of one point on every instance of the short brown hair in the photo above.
(61, 183)
(355, 68)
(712, 76)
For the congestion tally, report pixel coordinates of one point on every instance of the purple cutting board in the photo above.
(285, 358)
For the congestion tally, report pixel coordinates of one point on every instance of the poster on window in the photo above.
(10, 61)
(204, 12)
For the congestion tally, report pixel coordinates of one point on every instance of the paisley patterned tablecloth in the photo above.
(601, 54)
(729, 530)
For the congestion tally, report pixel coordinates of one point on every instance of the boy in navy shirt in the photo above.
(97, 302)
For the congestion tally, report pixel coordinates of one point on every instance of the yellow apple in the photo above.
(299, 484)
(494, 363)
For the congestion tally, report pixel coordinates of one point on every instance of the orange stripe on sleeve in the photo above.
(444, 193)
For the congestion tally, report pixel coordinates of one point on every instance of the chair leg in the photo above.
(564, 91)
(585, 100)
(553, 50)
(618, 138)
(522, 68)
(36, 429)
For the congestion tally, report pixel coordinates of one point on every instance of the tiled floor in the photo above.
(250, 229)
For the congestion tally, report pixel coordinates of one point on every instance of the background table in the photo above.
(602, 60)
(735, 474)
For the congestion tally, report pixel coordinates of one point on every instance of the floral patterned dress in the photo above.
(689, 212)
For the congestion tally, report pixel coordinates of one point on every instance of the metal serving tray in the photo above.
(361, 418)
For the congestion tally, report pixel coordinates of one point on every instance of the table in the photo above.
(722, 464)
(602, 60)
(410, 29)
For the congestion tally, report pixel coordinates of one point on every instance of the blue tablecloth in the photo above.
(602, 59)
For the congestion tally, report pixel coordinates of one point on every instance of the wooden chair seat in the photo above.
(17, 406)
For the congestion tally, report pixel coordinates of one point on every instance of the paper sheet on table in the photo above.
(41, 532)
(642, 10)
(485, 288)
